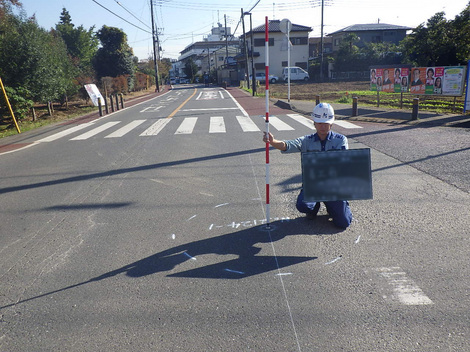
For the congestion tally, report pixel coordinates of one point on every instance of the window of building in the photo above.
(260, 66)
(261, 42)
(299, 40)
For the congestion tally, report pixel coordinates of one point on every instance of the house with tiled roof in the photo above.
(299, 52)
(370, 33)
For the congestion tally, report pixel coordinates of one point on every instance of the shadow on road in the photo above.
(240, 243)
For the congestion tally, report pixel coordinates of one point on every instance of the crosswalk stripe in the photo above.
(278, 124)
(125, 129)
(346, 124)
(95, 131)
(303, 120)
(217, 124)
(187, 126)
(247, 124)
(61, 134)
(155, 128)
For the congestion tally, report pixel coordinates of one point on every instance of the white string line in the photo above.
(277, 262)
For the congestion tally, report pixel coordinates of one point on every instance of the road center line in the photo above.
(179, 107)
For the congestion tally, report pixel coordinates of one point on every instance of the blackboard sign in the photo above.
(337, 175)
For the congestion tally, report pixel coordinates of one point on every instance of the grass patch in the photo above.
(9, 129)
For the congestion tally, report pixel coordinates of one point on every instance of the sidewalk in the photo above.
(386, 115)
(22, 140)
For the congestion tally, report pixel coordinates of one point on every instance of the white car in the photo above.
(296, 74)
(261, 76)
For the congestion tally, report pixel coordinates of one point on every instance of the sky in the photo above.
(182, 22)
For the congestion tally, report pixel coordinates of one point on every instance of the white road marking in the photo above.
(208, 109)
(221, 205)
(237, 104)
(125, 129)
(404, 289)
(303, 120)
(247, 124)
(346, 124)
(217, 124)
(155, 128)
(234, 271)
(153, 108)
(65, 133)
(95, 131)
(187, 126)
(190, 257)
(278, 124)
(334, 260)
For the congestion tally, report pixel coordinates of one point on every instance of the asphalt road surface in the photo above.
(145, 230)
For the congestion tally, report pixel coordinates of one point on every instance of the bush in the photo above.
(19, 104)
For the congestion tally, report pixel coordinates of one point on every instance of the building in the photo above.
(370, 33)
(209, 53)
(299, 52)
(314, 44)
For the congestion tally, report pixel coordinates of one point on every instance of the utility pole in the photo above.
(246, 51)
(226, 41)
(321, 44)
(253, 82)
(154, 40)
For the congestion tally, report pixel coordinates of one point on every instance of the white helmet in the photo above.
(323, 113)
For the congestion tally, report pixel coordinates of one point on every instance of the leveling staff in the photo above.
(323, 140)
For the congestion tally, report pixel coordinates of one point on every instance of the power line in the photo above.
(120, 17)
(145, 24)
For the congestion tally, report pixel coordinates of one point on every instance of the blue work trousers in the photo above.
(339, 210)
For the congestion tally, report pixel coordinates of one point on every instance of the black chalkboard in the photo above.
(337, 175)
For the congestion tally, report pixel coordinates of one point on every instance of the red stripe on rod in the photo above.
(266, 36)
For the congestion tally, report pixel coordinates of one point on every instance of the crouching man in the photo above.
(323, 140)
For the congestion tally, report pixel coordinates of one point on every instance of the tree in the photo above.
(190, 69)
(461, 27)
(115, 57)
(82, 44)
(33, 58)
(432, 44)
(348, 57)
(5, 7)
(382, 54)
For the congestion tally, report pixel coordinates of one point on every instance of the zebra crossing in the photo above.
(186, 126)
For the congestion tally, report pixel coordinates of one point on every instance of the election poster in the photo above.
(444, 80)
(391, 80)
(453, 81)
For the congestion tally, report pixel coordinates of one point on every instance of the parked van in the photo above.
(296, 74)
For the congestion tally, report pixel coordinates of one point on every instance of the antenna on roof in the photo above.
(378, 20)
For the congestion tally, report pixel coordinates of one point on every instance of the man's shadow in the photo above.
(240, 243)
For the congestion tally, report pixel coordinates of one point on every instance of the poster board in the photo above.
(437, 80)
(467, 95)
(389, 79)
(337, 175)
(94, 94)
